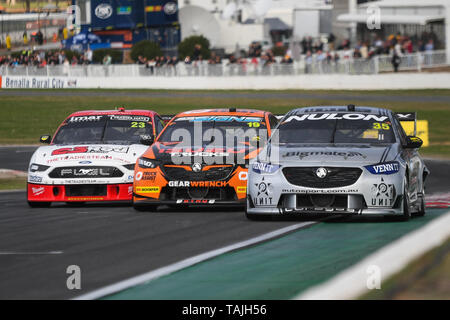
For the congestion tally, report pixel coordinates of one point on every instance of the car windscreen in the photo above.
(218, 130)
(108, 129)
(334, 128)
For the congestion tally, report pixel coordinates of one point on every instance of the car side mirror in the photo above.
(45, 139)
(147, 140)
(413, 142)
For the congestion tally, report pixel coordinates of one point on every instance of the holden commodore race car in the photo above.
(201, 158)
(338, 161)
(91, 157)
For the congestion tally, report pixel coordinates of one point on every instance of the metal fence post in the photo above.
(376, 62)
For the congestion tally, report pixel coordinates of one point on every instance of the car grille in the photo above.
(85, 172)
(336, 177)
(86, 190)
(184, 174)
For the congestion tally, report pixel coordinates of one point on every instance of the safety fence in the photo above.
(312, 65)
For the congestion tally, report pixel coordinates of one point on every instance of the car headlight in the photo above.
(384, 168)
(34, 167)
(129, 166)
(264, 168)
(146, 163)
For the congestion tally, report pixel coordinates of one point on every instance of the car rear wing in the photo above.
(408, 116)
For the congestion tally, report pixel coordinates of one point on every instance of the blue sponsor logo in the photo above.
(85, 162)
(384, 168)
(260, 167)
(34, 179)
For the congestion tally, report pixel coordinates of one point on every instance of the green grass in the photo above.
(12, 184)
(427, 277)
(24, 118)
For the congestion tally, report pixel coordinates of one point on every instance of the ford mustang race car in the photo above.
(91, 157)
(338, 161)
(201, 158)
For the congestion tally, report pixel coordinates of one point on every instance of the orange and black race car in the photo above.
(201, 158)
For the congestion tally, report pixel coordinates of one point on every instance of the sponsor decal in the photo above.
(129, 118)
(220, 119)
(198, 184)
(85, 118)
(305, 154)
(81, 181)
(241, 189)
(320, 191)
(103, 11)
(384, 168)
(148, 176)
(383, 194)
(36, 179)
(85, 162)
(85, 198)
(147, 189)
(37, 83)
(262, 197)
(195, 201)
(130, 190)
(37, 191)
(336, 116)
(259, 167)
(85, 172)
(86, 156)
(89, 149)
(202, 151)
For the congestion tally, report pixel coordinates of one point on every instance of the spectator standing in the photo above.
(107, 60)
(88, 56)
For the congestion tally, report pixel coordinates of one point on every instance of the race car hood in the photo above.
(171, 153)
(351, 154)
(85, 154)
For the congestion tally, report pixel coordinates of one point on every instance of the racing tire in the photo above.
(144, 208)
(39, 204)
(422, 207)
(406, 202)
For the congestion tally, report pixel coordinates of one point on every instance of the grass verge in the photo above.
(427, 278)
(13, 184)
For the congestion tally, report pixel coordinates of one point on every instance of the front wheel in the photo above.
(39, 204)
(422, 207)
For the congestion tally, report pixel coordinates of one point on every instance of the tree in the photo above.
(187, 47)
(147, 49)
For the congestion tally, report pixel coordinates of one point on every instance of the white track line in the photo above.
(29, 253)
(351, 283)
(154, 274)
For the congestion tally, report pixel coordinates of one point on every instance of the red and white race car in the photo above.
(91, 157)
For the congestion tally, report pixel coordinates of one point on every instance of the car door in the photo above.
(413, 161)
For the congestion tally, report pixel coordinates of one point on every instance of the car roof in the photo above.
(357, 109)
(119, 111)
(222, 112)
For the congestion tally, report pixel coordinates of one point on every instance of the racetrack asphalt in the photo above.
(112, 242)
(231, 95)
